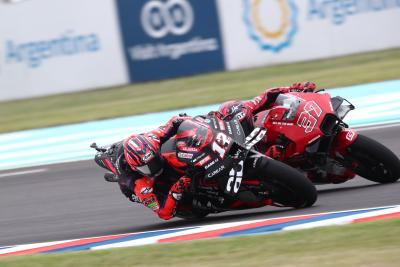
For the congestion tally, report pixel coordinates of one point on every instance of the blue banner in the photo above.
(169, 38)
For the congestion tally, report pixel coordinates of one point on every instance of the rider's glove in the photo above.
(276, 152)
(177, 120)
(303, 87)
(182, 185)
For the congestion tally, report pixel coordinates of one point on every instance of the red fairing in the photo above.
(304, 120)
(303, 129)
(344, 139)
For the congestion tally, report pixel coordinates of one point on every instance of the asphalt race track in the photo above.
(72, 200)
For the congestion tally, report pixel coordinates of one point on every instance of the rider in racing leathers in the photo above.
(136, 162)
(262, 102)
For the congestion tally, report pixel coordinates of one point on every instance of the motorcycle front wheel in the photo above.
(374, 161)
(287, 186)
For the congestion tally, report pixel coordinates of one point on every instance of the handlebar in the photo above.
(99, 149)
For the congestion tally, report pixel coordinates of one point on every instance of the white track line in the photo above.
(22, 172)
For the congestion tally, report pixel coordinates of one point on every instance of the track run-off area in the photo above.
(71, 200)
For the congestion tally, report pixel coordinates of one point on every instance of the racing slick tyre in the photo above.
(374, 161)
(287, 186)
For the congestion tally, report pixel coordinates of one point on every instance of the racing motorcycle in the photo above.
(227, 174)
(309, 130)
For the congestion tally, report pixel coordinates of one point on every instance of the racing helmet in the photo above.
(142, 154)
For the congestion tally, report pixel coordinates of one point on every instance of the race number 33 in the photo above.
(309, 117)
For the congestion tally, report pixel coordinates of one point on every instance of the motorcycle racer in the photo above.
(138, 167)
(246, 110)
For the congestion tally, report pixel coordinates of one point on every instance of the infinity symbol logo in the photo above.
(161, 18)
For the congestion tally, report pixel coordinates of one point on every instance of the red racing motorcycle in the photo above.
(227, 174)
(309, 130)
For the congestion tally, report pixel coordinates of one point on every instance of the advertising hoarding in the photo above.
(51, 47)
(170, 38)
(262, 32)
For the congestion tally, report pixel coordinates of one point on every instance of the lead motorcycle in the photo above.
(312, 136)
(227, 174)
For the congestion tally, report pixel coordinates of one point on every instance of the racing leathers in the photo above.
(160, 193)
(144, 187)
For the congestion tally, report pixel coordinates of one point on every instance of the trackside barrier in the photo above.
(52, 47)
(170, 38)
(263, 32)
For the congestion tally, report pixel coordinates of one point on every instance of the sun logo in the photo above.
(271, 23)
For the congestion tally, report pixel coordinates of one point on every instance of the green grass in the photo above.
(194, 91)
(371, 244)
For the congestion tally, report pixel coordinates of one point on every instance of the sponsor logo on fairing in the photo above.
(198, 158)
(238, 127)
(215, 172)
(228, 126)
(211, 164)
(234, 108)
(350, 135)
(183, 155)
(203, 161)
(183, 147)
(271, 24)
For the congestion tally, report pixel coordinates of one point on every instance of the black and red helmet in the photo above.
(143, 155)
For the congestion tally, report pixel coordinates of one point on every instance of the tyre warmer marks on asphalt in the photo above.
(261, 226)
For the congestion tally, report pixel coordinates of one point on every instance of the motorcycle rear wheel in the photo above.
(375, 162)
(288, 187)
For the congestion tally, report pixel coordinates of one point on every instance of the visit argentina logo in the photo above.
(272, 24)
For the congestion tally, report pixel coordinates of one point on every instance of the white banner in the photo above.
(55, 46)
(262, 32)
